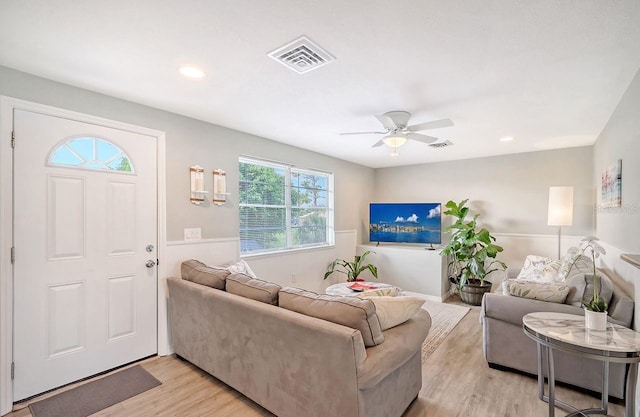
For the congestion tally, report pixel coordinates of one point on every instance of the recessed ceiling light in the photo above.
(506, 139)
(191, 72)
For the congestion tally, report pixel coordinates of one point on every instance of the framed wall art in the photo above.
(612, 185)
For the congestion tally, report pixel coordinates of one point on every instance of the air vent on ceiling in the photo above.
(441, 144)
(302, 55)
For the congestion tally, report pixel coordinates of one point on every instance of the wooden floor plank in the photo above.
(456, 383)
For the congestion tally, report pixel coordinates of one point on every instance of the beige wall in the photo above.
(190, 142)
(510, 192)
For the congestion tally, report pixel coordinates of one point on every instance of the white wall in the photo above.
(305, 269)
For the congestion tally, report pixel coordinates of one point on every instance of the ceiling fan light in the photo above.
(191, 72)
(395, 141)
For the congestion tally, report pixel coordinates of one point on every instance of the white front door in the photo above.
(85, 225)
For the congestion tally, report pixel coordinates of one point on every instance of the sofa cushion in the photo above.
(196, 271)
(393, 311)
(543, 291)
(256, 289)
(582, 288)
(359, 314)
(577, 285)
(604, 284)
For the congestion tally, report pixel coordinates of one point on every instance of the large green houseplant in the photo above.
(471, 253)
(352, 269)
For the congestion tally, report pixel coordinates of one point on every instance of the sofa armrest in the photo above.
(400, 344)
(511, 309)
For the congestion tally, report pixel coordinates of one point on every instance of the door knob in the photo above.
(150, 263)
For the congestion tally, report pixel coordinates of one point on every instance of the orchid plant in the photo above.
(590, 245)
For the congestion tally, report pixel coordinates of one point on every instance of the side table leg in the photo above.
(630, 395)
(605, 387)
(552, 383)
(539, 348)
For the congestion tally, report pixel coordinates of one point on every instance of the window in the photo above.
(283, 207)
(91, 153)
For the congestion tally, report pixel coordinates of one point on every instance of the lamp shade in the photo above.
(560, 206)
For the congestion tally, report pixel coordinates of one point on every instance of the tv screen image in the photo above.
(405, 222)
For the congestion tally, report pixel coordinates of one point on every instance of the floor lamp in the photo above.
(560, 209)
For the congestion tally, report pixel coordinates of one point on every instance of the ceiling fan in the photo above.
(398, 133)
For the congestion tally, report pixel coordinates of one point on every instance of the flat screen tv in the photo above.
(405, 223)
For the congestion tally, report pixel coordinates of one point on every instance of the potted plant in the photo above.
(595, 309)
(352, 269)
(472, 254)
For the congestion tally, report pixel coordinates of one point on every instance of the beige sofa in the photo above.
(237, 329)
(506, 346)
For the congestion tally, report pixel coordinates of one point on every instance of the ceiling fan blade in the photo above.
(421, 138)
(378, 144)
(430, 125)
(386, 121)
(363, 133)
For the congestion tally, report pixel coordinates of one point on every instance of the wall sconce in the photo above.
(219, 187)
(560, 209)
(197, 184)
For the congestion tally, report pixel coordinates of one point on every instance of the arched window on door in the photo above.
(90, 153)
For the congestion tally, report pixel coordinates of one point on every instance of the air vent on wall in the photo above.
(441, 144)
(302, 55)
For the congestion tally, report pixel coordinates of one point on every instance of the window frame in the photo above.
(289, 170)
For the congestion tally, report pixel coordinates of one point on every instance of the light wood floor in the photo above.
(456, 382)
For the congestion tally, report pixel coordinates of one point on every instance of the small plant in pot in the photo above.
(352, 269)
(596, 307)
(472, 254)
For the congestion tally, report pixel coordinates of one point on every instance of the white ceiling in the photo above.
(548, 72)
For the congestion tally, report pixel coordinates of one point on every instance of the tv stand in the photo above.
(430, 247)
(412, 268)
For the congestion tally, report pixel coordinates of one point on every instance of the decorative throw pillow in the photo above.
(393, 311)
(604, 284)
(239, 267)
(536, 268)
(553, 292)
(256, 289)
(551, 271)
(504, 287)
(196, 271)
(577, 284)
(359, 314)
(582, 265)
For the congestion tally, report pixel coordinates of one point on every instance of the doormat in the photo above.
(97, 395)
